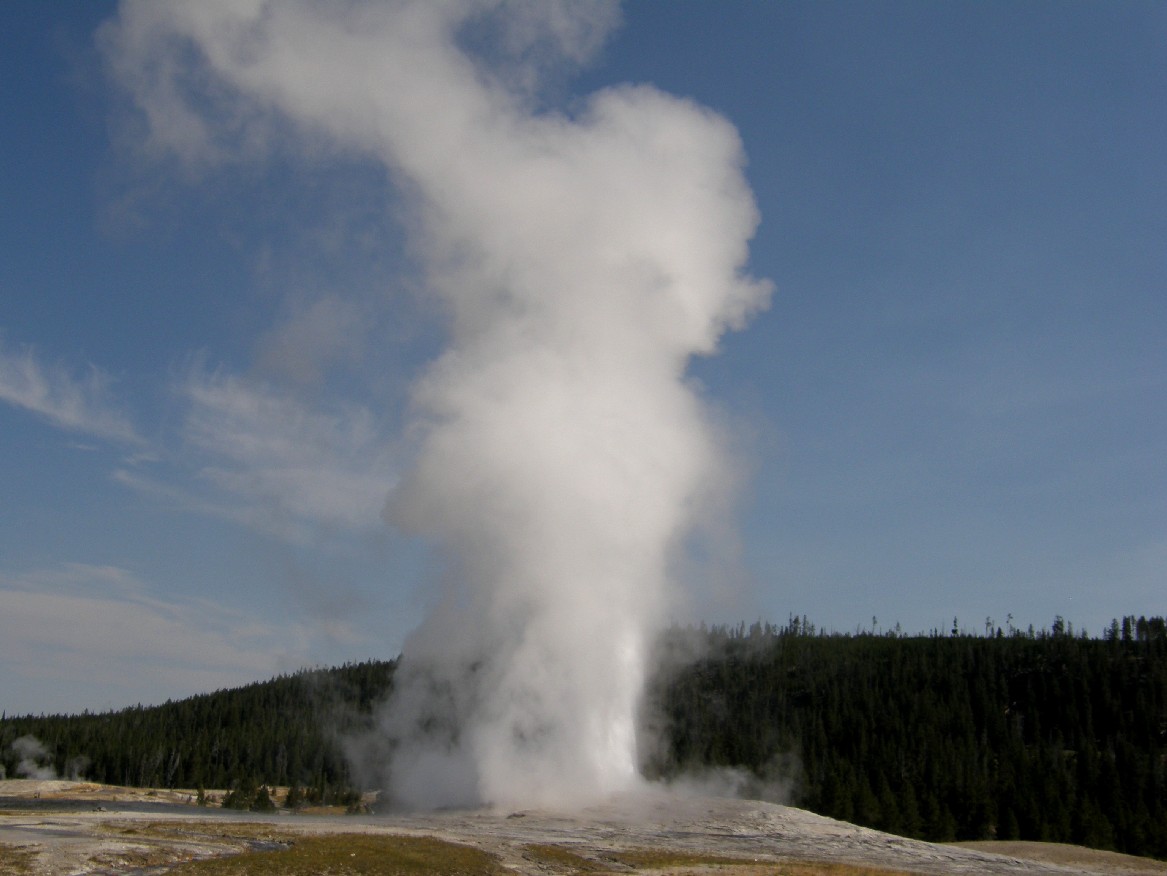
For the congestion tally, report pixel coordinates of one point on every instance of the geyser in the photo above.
(560, 456)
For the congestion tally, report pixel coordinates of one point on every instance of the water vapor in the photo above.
(33, 760)
(560, 457)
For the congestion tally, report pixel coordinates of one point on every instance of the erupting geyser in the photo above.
(560, 458)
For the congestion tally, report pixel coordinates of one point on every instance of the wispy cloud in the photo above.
(103, 631)
(78, 404)
(272, 453)
(261, 457)
(233, 509)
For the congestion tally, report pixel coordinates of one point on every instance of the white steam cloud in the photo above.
(33, 760)
(560, 457)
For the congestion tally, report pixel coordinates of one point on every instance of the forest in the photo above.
(287, 732)
(1020, 735)
(1006, 734)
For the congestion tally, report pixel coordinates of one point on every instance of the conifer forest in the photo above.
(1002, 734)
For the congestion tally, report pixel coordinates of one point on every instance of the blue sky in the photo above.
(954, 405)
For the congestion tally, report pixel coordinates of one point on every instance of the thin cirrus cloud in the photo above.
(259, 457)
(77, 404)
(234, 510)
(271, 451)
(103, 621)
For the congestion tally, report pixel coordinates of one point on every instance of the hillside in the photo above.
(1010, 736)
(286, 731)
(1036, 736)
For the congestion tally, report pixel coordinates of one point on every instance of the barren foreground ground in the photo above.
(57, 828)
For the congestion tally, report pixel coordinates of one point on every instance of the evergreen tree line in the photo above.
(287, 731)
(1010, 735)
(1046, 736)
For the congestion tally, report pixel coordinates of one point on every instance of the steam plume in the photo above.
(33, 760)
(560, 456)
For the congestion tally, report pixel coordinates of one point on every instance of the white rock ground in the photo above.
(79, 840)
